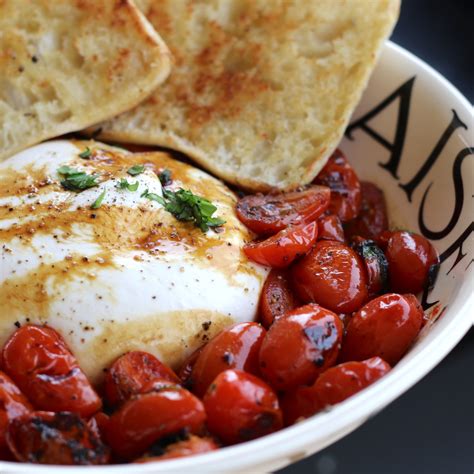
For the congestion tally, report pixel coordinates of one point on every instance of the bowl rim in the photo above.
(294, 441)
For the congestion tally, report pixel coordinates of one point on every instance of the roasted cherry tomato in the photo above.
(339, 175)
(241, 407)
(131, 373)
(281, 249)
(236, 347)
(410, 257)
(372, 219)
(39, 362)
(55, 438)
(268, 214)
(98, 424)
(188, 447)
(330, 228)
(385, 327)
(300, 346)
(276, 298)
(186, 371)
(12, 405)
(148, 417)
(331, 275)
(333, 386)
(376, 265)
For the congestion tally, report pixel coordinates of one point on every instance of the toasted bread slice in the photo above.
(67, 64)
(262, 90)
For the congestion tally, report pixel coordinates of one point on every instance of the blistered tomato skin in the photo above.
(267, 214)
(281, 249)
(131, 373)
(186, 370)
(188, 447)
(277, 297)
(148, 417)
(241, 407)
(340, 177)
(410, 257)
(55, 438)
(385, 327)
(372, 219)
(13, 404)
(236, 347)
(39, 362)
(332, 275)
(333, 386)
(330, 228)
(300, 346)
(376, 265)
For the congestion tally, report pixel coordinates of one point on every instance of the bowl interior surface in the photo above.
(412, 136)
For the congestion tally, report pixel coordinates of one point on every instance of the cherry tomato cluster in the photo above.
(336, 312)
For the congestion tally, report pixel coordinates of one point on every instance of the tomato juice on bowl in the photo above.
(418, 189)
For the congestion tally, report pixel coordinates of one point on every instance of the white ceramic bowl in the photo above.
(419, 127)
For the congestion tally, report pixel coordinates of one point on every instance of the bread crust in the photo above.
(68, 64)
(262, 91)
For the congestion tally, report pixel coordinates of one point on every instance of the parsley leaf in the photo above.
(187, 207)
(86, 153)
(124, 184)
(135, 170)
(98, 202)
(75, 180)
(165, 177)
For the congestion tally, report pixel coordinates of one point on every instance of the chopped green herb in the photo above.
(154, 197)
(98, 202)
(135, 170)
(75, 180)
(165, 177)
(144, 193)
(86, 153)
(124, 184)
(187, 207)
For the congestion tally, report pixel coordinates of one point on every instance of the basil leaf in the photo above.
(98, 202)
(124, 184)
(86, 153)
(135, 170)
(187, 207)
(75, 180)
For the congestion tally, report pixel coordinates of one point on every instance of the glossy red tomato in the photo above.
(300, 346)
(276, 298)
(186, 370)
(241, 407)
(12, 405)
(55, 438)
(98, 424)
(385, 327)
(341, 178)
(280, 250)
(333, 386)
(267, 214)
(331, 275)
(146, 418)
(372, 219)
(188, 447)
(330, 228)
(236, 347)
(131, 373)
(376, 265)
(39, 362)
(410, 257)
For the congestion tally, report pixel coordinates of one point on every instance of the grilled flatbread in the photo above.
(262, 90)
(67, 64)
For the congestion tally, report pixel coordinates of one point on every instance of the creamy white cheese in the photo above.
(94, 283)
